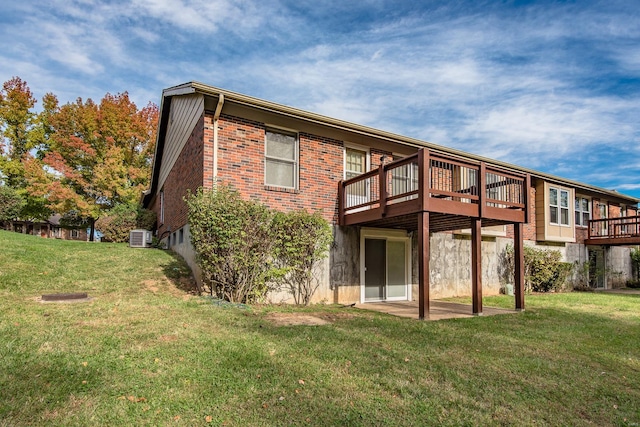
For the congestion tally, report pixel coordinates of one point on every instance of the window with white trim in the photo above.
(603, 208)
(74, 234)
(404, 179)
(281, 159)
(355, 163)
(583, 211)
(558, 206)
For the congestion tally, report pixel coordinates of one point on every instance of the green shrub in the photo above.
(635, 284)
(302, 241)
(233, 241)
(543, 269)
(121, 219)
(635, 262)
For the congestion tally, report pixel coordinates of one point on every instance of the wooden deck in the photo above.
(431, 191)
(614, 231)
(445, 186)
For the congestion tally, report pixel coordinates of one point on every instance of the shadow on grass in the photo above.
(180, 274)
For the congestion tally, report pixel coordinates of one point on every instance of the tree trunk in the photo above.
(93, 230)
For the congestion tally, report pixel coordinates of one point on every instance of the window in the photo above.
(583, 211)
(75, 234)
(181, 236)
(623, 213)
(281, 159)
(355, 163)
(404, 179)
(604, 214)
(558, 206)
(602, 207)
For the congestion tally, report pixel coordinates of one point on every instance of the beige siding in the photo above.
(545, 231)
(185, 113)
(541, 211)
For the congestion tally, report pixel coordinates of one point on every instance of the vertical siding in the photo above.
(185, 113)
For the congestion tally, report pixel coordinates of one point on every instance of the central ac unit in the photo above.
(139, 238)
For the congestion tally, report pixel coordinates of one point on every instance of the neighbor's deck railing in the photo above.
(614, 228)
(436, 182)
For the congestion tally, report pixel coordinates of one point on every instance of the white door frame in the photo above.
(386, 234)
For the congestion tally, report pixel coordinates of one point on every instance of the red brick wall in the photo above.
(582, 234)
(186, 174)
(241, 145)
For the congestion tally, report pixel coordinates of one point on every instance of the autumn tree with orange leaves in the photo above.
(22, 136)
(99, 156)
(83, 158)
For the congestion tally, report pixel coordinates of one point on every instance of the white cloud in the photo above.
(525, 84)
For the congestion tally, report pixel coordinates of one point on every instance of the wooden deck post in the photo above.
(423, 265)
(482, 188)
(424, 178)
(382, 178)
(341, 203)
(518, 255)
(476, 266)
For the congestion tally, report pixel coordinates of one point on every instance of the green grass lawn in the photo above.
(144, 351)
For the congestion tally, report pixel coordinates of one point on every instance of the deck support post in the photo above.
(476, 266)
(382, 178)
(423, 265)
(518, 255)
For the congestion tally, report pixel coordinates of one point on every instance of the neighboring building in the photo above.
(409, 220)
(50, 229)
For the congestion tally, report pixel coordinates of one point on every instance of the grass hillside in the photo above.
(144, 351)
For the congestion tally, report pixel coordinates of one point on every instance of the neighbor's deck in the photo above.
(614, 231)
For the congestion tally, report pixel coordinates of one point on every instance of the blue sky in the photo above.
(548, 85)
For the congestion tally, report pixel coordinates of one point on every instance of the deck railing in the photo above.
(614, 228)
(438, 182)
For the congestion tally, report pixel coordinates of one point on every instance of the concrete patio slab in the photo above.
(439, 310)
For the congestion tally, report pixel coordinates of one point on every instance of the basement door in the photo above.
(385, 269)
(597, 271)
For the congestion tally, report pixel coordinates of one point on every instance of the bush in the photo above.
(543, 269)
(233, 240)
(635, 262)
(302, 241)
(634, 284)
(120, 220)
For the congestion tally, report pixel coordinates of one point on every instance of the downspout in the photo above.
(216, 116)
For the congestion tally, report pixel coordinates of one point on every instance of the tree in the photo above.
(95, 156)
(11, 203)
(16, 120)
(23, 134)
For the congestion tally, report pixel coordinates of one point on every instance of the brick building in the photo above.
(409, 221)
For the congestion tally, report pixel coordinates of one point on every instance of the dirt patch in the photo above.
(291, 319)
(184, 287)
(151, 285)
